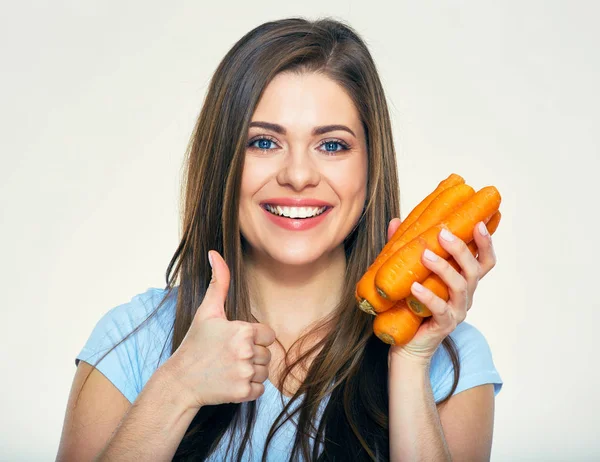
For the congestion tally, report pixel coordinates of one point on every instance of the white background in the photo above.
(98, 100)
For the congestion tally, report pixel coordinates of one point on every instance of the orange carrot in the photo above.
(435, 283)
(438, 209)
(366, 290)
(395, 277)
(398, 325)
(452, 180)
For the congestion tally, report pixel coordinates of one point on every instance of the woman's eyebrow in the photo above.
(316, 131)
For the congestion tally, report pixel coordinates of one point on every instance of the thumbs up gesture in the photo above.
(221, 361)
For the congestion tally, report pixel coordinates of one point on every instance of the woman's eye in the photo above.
(333, 144)
(265, 144)
(261, 143)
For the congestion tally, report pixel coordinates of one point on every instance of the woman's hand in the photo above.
(461, 286)
(220, 361)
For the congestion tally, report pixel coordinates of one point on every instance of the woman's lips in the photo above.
(297, 224)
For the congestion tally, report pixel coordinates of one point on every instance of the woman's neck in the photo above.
(291, 298)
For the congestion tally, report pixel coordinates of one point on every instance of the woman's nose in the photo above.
(299, 171)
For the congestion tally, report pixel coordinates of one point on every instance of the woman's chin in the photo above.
(295, 257)
(294, 252)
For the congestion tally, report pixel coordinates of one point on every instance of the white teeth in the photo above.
(295, 212)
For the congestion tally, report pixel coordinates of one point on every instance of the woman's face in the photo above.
(304, 183)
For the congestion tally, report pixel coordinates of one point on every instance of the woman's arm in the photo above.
(218, 361)
(468, 422)
(415, 428)
(154, 425)
(105, 426)
(463, 427)
(461, 430)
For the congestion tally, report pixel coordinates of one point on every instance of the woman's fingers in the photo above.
(446, 318)
(460, 286)
(251, 392)
(485, 249)
(393, 225)
(456, 283)
(448, 314)
(263, 334)
(261, 360)
(261, 373)
(262, 355)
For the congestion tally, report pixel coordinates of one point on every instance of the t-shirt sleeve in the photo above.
(127, 365)
(476, 363)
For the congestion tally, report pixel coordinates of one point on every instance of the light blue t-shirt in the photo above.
(130, 365)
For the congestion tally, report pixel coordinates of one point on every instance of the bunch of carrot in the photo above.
(385, 289)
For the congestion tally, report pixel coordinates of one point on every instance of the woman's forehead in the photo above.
(301, 102)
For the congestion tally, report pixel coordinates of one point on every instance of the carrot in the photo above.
(452, 180)
(438, 209)
(365, 289)
(435, 283)
(398, 325)
(396, 275)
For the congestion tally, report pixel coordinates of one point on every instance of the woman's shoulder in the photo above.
(476, 363)
(140, 311)
(132, 339)
(144, 304)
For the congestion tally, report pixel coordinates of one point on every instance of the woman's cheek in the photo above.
(350, 184)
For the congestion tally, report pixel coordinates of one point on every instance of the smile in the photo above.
(294, 212)
(296, 218)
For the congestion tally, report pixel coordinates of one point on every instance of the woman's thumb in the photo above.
(213, 305)
(393, 226)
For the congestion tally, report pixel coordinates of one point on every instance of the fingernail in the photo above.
(417, 287)
(210, 262)
(430, 255)
(482, 228)
(447, 235)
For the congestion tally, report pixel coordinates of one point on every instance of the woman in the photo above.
(290, 188)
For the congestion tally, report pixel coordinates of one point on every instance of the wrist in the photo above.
(168, 380)
(407, 374)
(402, 360)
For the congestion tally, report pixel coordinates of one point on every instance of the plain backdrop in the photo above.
(98, 100)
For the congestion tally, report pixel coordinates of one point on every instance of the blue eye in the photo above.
(263, 143)
(344, 146)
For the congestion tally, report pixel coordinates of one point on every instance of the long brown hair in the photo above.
(350, 363)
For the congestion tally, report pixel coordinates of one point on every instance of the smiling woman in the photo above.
(255, 349)
(302, 163)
